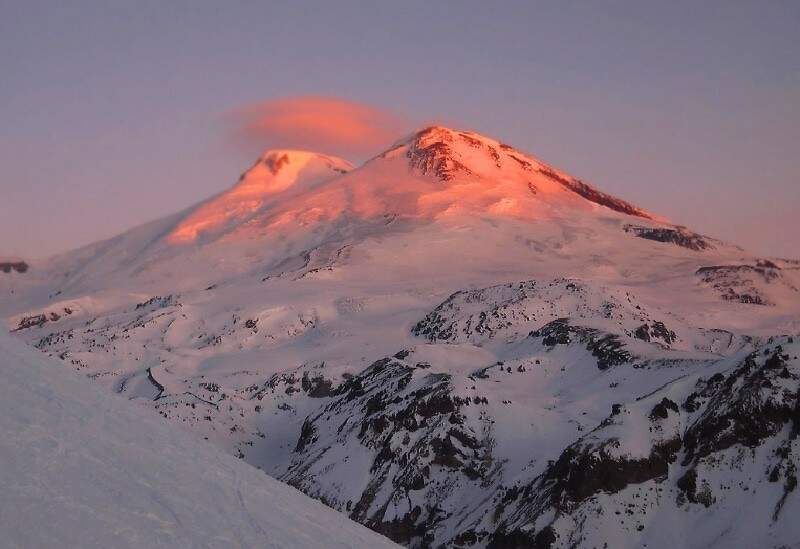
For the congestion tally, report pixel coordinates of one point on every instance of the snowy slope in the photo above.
(84, 469)
(419, 340)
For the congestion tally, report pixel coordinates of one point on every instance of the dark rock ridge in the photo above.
(430, 152)
(655, 331)
(409, 424)
(39, 320)
(427, 436)
(745, 283)
(608, 349)
(158, 302)
(680, 236)
(751, 404)
(417, 444)
(415, 428)
(512, 311)
(276, 162)
(504, 307)
(18, 266)
(728, 418)
(594, 195)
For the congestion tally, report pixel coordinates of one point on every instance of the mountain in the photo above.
(282, 173)
(84, 469)
(456, 345)
(290, 202)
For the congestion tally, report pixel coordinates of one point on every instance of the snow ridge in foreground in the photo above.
(84, 469)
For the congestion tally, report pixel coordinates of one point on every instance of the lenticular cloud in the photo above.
(316, 123)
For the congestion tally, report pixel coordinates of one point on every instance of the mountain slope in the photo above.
(84, 469)
(426, 341)
(277, 172)
(290, 202)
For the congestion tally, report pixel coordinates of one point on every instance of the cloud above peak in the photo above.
(317, 123)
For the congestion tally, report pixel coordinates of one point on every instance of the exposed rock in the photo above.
(511, 311)
(430, 152)
(662, 409)
(745, 283)
(160, 388)
(585, 469)
(410, 424)
(593, 195)
(317, 386)
(654, 331)
(31, 321)
(694, 494)
(18, 266)
(158, 302)
(608, 349)
(680, 236)
(726, 421)
(752, 404)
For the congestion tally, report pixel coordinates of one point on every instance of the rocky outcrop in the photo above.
(751, 404)
(16, 266)
(411, 428)
(430, 152)
(735, 430)
(40, 319)
(679, 236)
(158, 302)
(656, 331)
(750, 284)
(594, 195)
(608, 349)
(512, 311)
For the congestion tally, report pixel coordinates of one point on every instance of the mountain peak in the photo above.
(451, 170)
(432, 151)
(448, 154)
(445, 152)
(448, 135)
(276, 159)
(276, 171)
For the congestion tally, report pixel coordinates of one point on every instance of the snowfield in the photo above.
(453, 344)
(84, 469)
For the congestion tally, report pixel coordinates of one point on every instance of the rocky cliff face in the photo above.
(710, 446)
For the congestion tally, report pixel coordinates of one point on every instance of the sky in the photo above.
(113, 114)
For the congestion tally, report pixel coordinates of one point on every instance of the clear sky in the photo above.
(114, 113)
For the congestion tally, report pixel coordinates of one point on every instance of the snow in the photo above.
(276, 171)
(84, 469)
(253, 309)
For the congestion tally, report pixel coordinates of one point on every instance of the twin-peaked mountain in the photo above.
(435, 173)
(454, 344)
(290, 202)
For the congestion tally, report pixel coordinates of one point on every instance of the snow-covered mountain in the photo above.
(454, 344)
(83, 469)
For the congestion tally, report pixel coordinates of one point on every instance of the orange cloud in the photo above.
(321, 124)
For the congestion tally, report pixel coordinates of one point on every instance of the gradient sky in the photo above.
(112, 113)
